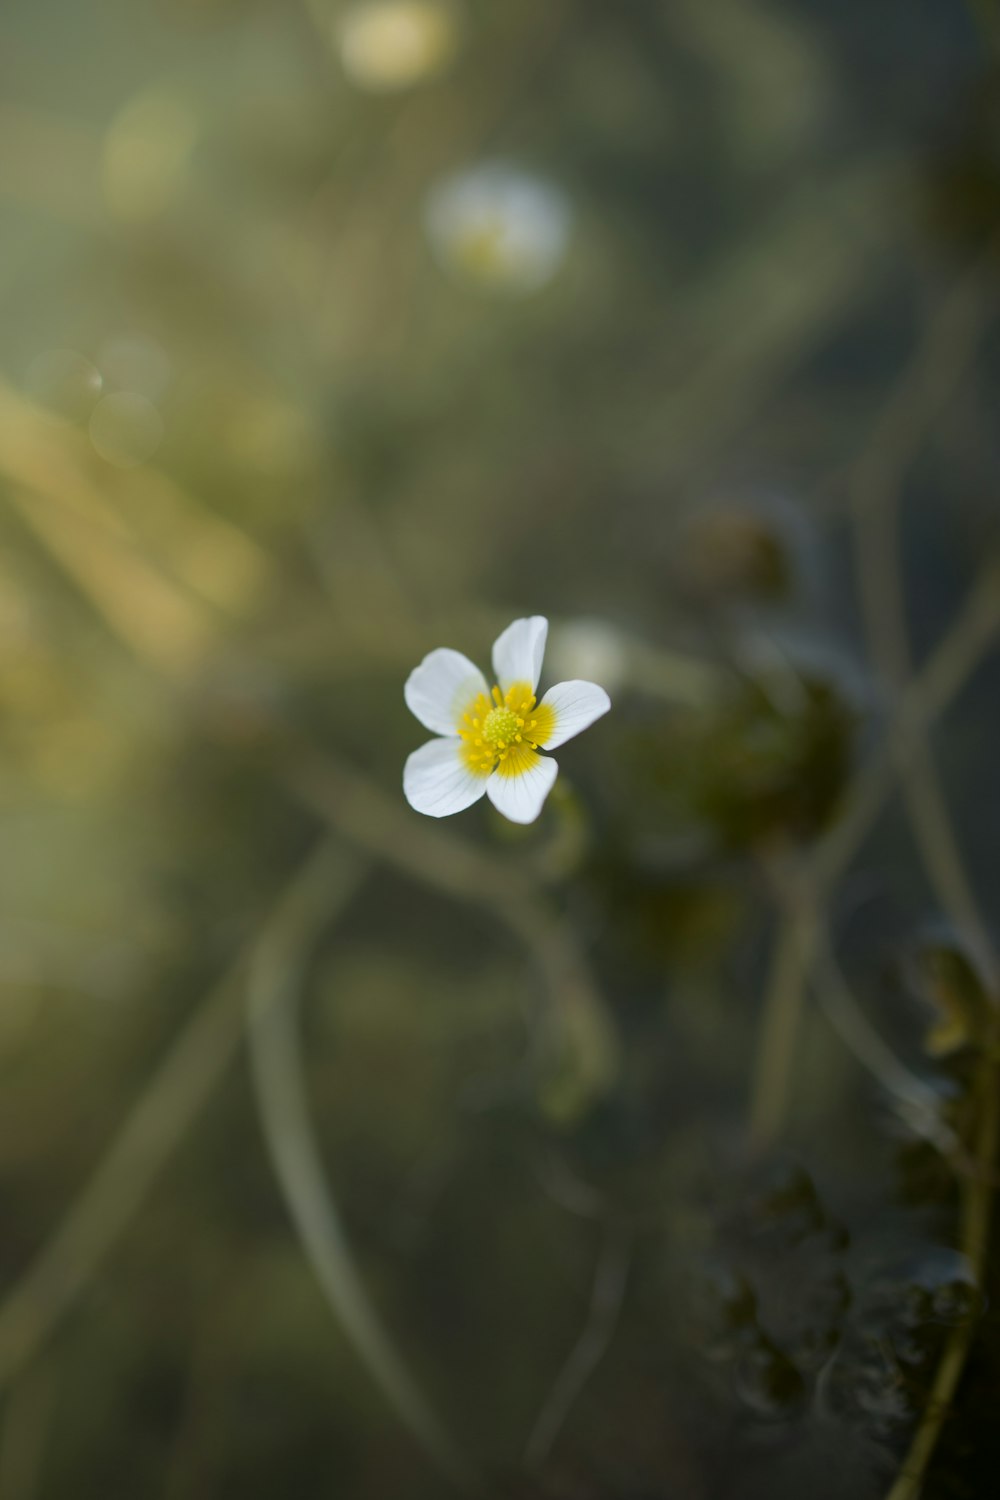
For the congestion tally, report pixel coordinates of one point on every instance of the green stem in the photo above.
(279, 1083)
(169, 1102)
(783, 998)
(578, 1019)
(977, 1199)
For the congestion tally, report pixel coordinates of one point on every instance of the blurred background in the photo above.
(648, 1151)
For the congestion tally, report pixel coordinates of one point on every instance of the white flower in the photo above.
(491, 738)
(392, 44)
(500, 227)
(590, 648)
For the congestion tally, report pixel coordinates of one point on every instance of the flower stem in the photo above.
(275, 1052)
(784, 993)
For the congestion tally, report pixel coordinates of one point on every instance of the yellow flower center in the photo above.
(503, 733)
(500, 727)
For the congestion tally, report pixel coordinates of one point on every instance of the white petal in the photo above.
(520, 798)
(575, 705)
(441, 688)
(437, 781)
(517, 654)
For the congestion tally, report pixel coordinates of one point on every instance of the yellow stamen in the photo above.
(501, 735)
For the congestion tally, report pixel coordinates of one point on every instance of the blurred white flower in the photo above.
(589, 648)
(499, 226)
(392, 44)
(490, 738)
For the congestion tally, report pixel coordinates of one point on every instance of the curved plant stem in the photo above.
(607, 1295)
(876, 501)
(917, 1101)
(919, 701)
(977, 1201)
(275, 1051)
(786, 983)
(170, 1100)
(579, 1021)
(925, 697)
(876, 495)
(928, 383)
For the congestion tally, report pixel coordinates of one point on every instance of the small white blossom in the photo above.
(500, 227)
(392, 44)
(491, 738)
(590, 648)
